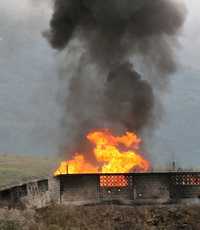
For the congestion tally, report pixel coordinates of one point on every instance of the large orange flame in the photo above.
(114, 154)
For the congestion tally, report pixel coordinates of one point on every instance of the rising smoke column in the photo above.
(112, 32)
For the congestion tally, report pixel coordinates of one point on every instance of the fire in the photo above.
(113, 181)
(113, 154)
(77, 165)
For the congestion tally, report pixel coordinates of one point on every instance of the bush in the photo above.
(9, 225)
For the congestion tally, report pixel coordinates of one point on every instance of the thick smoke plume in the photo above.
(112, 33)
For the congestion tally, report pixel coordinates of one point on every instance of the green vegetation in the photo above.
(15, 169)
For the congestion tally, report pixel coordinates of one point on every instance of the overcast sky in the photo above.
(29, 86)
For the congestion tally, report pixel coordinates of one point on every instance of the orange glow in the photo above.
(76, 166)
(113, 181)
(114, 154)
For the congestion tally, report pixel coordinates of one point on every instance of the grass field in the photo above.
(15, 169)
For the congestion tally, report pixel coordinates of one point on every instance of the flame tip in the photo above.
(108, 154)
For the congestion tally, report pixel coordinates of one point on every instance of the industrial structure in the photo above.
(80, 189)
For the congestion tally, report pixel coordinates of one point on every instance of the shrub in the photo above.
(9, 225)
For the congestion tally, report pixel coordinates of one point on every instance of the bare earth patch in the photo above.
(57, 217)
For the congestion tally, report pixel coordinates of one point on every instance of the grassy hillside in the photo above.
(16, 168)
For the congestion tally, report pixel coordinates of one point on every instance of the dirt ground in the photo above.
(102, 217)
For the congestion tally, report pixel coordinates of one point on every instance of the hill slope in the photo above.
(16, 168)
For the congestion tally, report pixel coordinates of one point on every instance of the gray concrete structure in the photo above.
(34, 193)
(132, 188)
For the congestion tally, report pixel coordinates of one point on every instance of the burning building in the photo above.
(121, 174)
(126, 52)
(118, 173)
(89, 189)
(130, 188)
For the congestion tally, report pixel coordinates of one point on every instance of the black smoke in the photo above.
(112, 32)
(129, 99)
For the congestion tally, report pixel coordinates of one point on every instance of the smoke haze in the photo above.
(111, 33)
(29, 84)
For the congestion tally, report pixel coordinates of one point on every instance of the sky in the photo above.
(30, 111)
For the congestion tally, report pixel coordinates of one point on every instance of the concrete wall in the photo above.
(141, 188)
(54, 189)
(32, 194)
(151, 187)
(79, 188)
(185, 185)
